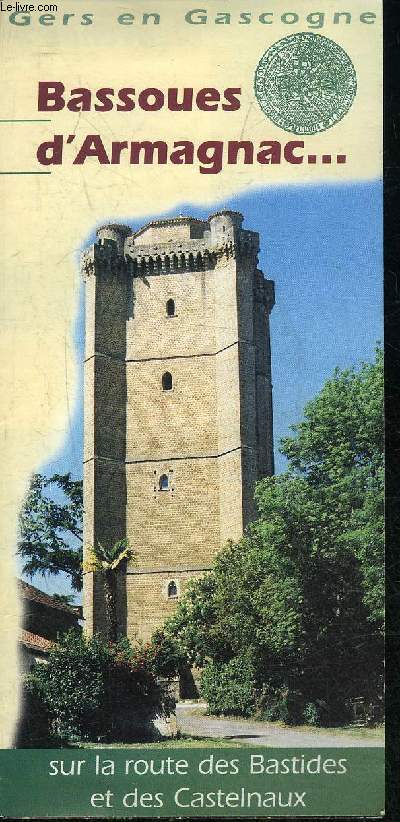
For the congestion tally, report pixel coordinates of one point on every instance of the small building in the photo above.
(45, 618)
(33, 648)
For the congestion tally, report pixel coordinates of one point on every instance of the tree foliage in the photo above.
(51, 528)
(338, 450)
(94, 690)
(229, 687)
(301, 595)
(107, 560)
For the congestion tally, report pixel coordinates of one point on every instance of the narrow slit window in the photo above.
(163, 483)
(172, 589)
(171, 308)
(167, 381)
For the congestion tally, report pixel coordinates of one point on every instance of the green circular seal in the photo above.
(305, 83)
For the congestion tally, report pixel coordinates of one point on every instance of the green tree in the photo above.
(300, 597)
(51, 529)
(339, 450)
(92, 689)
(107, 560)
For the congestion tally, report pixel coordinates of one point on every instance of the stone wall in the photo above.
(147, 596)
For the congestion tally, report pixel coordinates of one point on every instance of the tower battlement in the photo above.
(172, 245)
(178, 403)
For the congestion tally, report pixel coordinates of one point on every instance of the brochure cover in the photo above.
(191, 407)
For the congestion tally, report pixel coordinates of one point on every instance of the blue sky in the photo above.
(323, 247)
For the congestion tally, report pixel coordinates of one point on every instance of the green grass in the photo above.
(184, 741)
(335, 730)
(181, 742)
(347, 730)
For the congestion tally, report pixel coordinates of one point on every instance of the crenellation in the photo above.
(103, 259)
(162, 259)
(168, 246)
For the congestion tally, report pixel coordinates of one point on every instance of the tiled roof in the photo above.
(35, 595)
(35, 642)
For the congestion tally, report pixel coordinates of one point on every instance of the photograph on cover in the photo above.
(232, 578)
(192, 371)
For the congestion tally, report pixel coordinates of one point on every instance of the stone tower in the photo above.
(178, 405)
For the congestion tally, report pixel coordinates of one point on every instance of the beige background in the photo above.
(45, 219)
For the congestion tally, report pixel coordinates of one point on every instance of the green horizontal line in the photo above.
(25, 172)
(25, 121)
